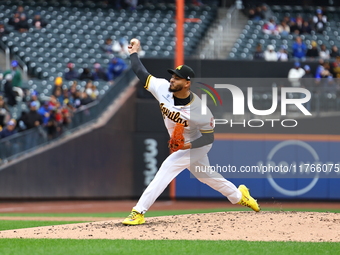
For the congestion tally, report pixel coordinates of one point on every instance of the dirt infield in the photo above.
(263, 226)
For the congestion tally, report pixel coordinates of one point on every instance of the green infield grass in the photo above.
(156, 247)
(16, 224)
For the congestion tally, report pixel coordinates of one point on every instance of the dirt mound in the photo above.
(263, 226)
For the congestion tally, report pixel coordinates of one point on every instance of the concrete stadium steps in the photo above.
(218, 41)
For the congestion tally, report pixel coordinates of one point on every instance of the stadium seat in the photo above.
(76, 31)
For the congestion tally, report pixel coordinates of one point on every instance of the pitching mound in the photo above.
(263, 226)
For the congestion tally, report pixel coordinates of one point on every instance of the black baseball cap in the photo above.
(183, 71)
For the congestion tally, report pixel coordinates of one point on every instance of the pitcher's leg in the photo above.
(215, 180)
(171, 167)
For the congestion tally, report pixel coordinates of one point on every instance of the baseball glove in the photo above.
(176, 141)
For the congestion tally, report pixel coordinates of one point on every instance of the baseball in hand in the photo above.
(134, 41)
(134, 45)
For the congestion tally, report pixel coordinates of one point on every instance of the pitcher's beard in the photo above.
(175, 89)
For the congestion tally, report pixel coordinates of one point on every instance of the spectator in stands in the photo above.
(306, 28)
(282, 54)
(259, 13)
(270, 54)
(295, 74)
(14, 19)
(8, 90)
(38, 22)
(334, 52)
(71, 73)
(53, 125)
(22, 26)
(32, 118)
(3, 30)
(308, 75)
(9, 130)
(324, 52)
(132, 4)
(195, 2)
(307, 81)
(58, 83)
(299, 49)
(313, 52)
(270, 27)
(108, 46)
(58, 93)
(16, 16)
(72, 92)
(4, 112)
(99, 73)
(258, 54)
(287, 19)
(336, 67)
(53, 101)
(85, 98)
(299, 23)
(34, 98)
(91, 90)
(66, 117)
(251, 15)
(266, 12)
(116, 67)
(45, 112)
(70, 108)
(283, 29)
(16, 74)
(294, 29)
(77, 99)
(323, 70)
(86, 74)
(324, 77)
(20, 9)
(95, 93)
(20, 124)
(319, 21)
(66, 96)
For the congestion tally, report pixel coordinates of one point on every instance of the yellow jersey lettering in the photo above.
(174, 116)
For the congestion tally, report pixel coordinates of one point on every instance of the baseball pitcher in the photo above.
(191, 138)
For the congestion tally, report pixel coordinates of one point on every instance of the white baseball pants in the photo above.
(175, 163)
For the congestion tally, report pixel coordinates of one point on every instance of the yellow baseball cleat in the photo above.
(135, 218)
(247, 200)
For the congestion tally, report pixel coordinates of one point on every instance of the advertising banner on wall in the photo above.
(150, 150)
(289, 169)
(263, 141)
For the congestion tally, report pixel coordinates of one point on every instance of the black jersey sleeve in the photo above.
(138, 68)
(205, 139)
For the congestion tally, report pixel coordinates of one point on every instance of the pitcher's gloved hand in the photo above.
(176, 141)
